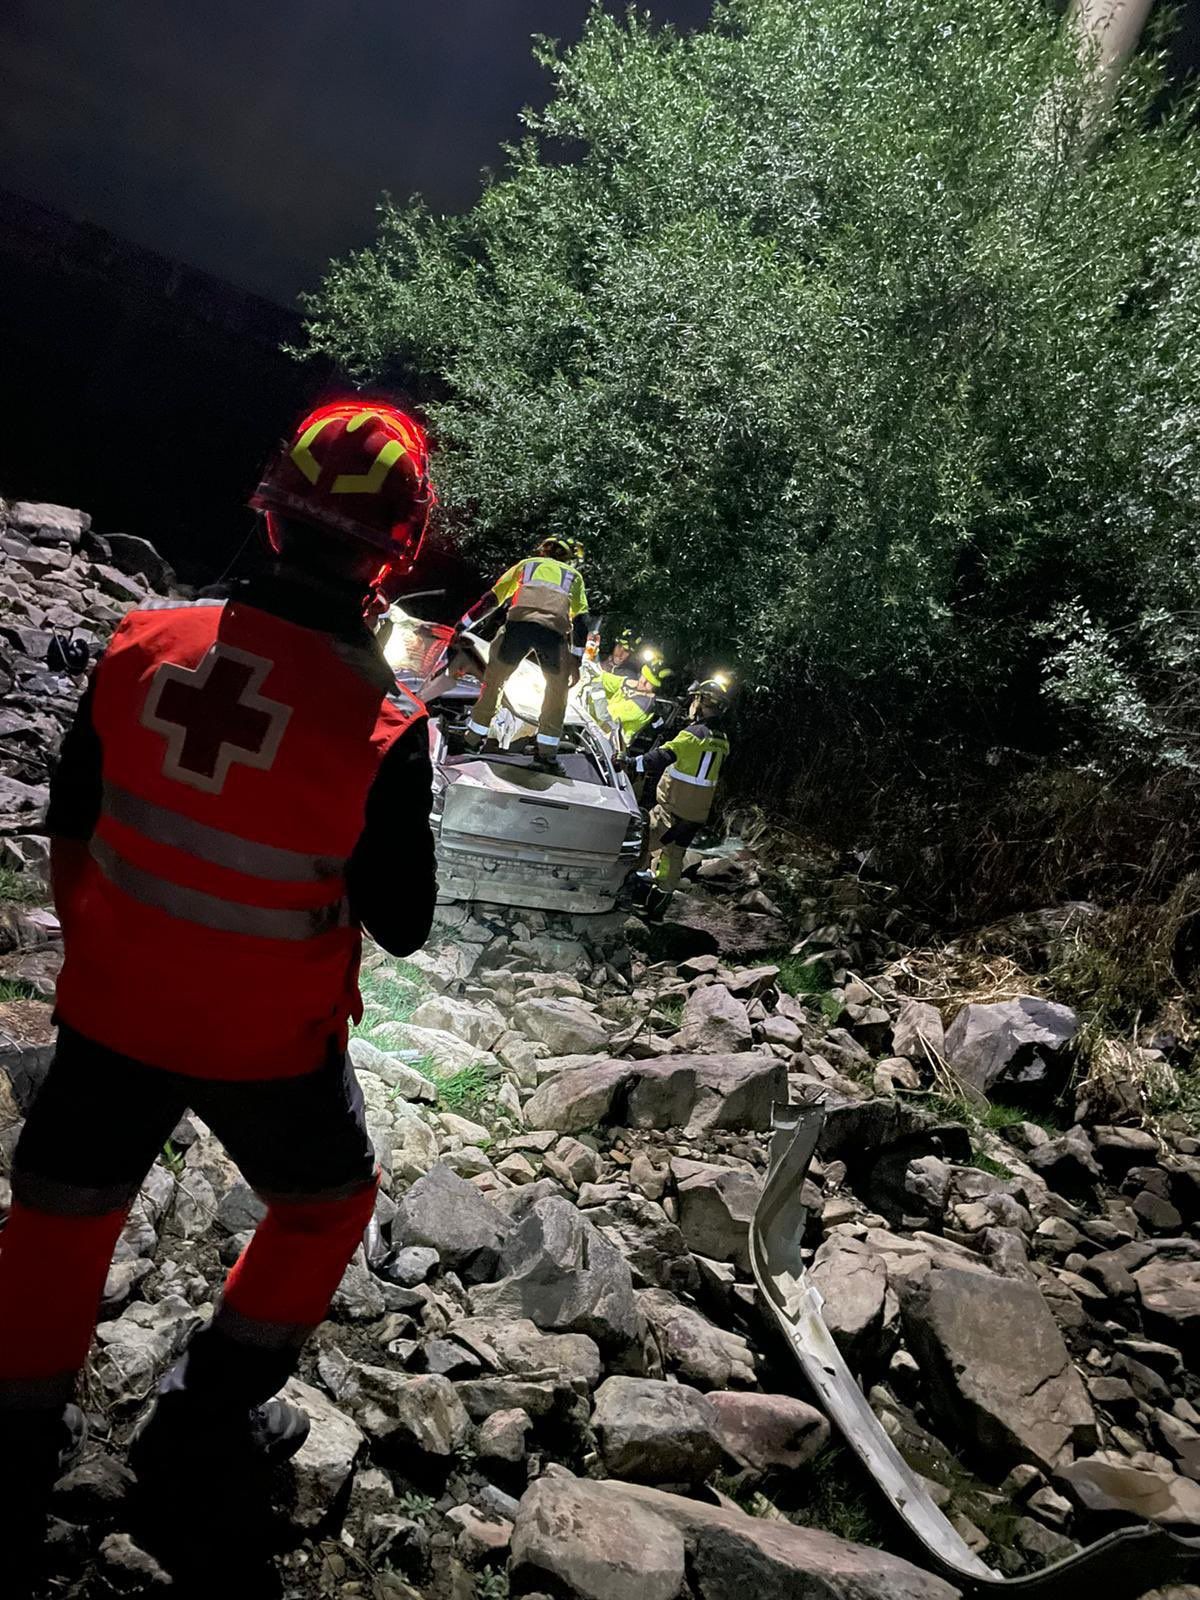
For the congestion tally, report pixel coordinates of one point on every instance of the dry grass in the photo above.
(950, 976)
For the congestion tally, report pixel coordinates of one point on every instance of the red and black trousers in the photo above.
(95, 1128)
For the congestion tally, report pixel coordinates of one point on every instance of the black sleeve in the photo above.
(391, 878)
(580, 629)
(655, 763)
(75, 785)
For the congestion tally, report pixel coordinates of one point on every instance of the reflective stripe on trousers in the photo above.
(210, 911)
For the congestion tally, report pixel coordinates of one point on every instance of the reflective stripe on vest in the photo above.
(214, 845)
(209, 911)
(687, 777)
(529, 581)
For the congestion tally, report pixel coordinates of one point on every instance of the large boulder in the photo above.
(323, 1466)
(853, 1282)
(995, 1368)
(478, 1024)
(449, 1215)
(695, 1348)
(919, 1025)
(698, 1092)
(449, 1053)
(579, 1098)
(580, 1540)
(562, 1274)
(715, 1210)
(764, 1433)
(137, 558)
(655, 1432)
(566, 1027)
(403, 1081)
(735, 1091)
(49, 524)
(1010, 1042)
(606, 1541)
(396, 1412)
(1169, 1292)
(1121, 1491)
(516, 1346)
(714, 1023)
(718, 925)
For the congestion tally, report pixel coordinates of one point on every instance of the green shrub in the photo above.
(853, 337)
(20, 887)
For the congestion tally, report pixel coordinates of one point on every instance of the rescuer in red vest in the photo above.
(244, 788)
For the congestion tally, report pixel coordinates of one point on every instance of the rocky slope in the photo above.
(548, 1372)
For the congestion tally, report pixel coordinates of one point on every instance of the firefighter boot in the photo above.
(261, 1436)
(657, 901)
(36, 1448)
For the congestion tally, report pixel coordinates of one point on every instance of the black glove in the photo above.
(67, 655)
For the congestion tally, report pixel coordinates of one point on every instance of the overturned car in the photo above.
(508, 832)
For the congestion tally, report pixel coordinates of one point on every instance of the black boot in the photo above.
(657, 902)
(258, 1437)
(36, 1448)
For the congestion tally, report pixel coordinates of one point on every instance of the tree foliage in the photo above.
(858, 342)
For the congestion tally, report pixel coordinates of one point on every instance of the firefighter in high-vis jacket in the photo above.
(633, 699)
(687, 769)
(244, 787)
(548, 619)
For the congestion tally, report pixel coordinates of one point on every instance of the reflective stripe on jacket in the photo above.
(689, 785)
(543, 590)
(210, 933)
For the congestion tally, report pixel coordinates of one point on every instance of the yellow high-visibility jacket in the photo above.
(630, 708)
(688, 768)
(542, 590)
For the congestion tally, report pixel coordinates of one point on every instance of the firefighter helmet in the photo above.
(561, 549)
(359, 469)
(712, 692)
(654, 667)
(629, 640)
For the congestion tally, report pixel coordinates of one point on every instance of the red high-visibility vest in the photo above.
(210, 932)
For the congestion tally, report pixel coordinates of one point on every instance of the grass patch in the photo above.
(1182, 1099)
(492, 1585)
(807, 980)
(837, 1501)
(799, 977)
(21, 887)
(671, 1009)
(15, 989)
(391, 993)
(994, 1116)
(463, 1092)
(985, 1164)
(1125, 964)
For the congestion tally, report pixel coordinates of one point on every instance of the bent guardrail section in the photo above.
(1120, 1567)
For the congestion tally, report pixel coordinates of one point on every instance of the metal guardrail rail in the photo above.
(1121, 1566)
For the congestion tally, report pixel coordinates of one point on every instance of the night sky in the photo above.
(253, 137)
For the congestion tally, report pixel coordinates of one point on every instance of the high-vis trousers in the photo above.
(517, 641)
(95, 1129)
(668, 846)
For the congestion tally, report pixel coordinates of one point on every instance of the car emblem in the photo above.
(540, 824)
